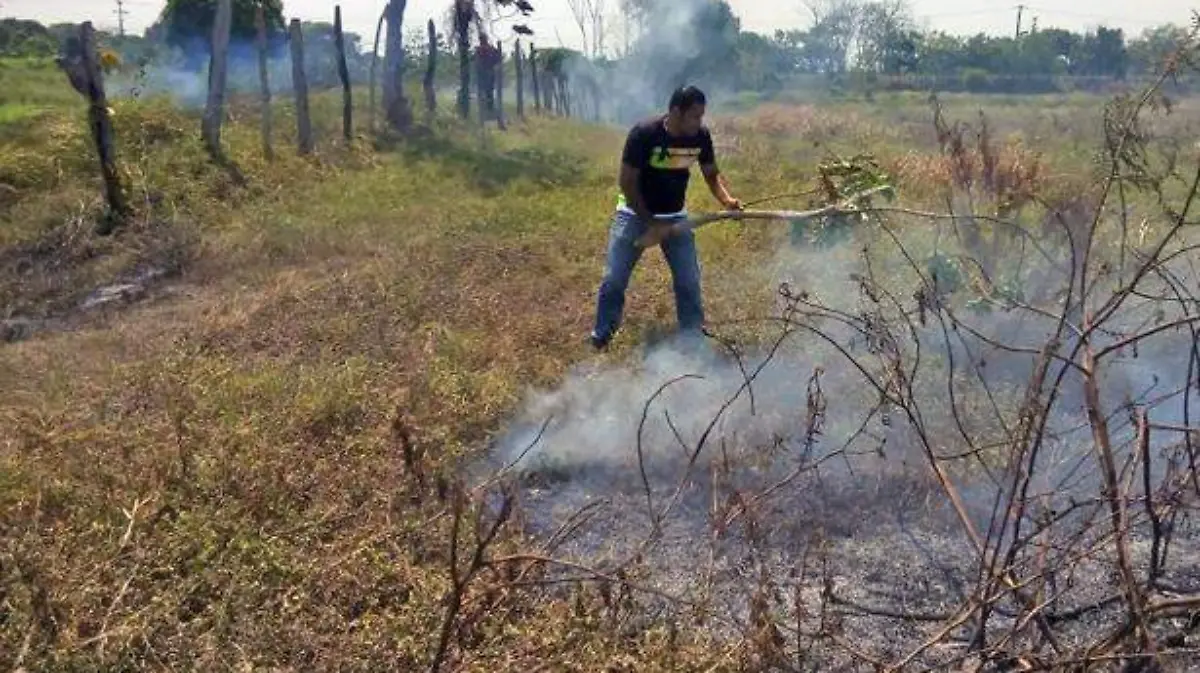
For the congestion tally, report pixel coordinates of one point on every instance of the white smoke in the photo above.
(683, 391)
(639, 84)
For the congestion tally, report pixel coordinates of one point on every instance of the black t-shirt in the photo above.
(665, 162)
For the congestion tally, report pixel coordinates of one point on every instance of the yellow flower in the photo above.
(109, 60)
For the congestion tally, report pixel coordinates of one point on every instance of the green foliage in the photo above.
(854, 183)
(842, 179)
(20, 38)
(188, 24)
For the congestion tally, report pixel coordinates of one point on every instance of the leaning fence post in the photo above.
(260, 24)
(79, 62)
(214, 110)
(518, 64)
(102, 130)
(339, 42)
(300, 87)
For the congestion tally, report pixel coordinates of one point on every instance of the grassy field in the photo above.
(257, 464)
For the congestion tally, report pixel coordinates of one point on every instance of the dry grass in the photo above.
(218, 477)
(258, 470)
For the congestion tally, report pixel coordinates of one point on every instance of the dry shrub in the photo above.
(786, 120)
(1007, 176)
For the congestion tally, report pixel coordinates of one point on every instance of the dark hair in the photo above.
(687, 97)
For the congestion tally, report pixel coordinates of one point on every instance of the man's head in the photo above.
(686, 111)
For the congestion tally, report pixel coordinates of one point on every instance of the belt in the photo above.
(623, 208)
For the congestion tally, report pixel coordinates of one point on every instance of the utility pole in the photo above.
(121, 12)
(1020, 9)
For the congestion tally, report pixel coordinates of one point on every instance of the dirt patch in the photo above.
(69, 275)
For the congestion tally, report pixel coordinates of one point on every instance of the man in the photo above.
(487, 58)
(655, 168)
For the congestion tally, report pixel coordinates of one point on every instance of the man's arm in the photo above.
(712, 175)
(718, 186)
(633, 194)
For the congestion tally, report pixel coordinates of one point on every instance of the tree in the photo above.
(589, 16)
(883, 36)
(699, 47)
(828, 41)
(1148, 52)
(20, 38)
(1102, 53)
(187, 25)
(761, 63)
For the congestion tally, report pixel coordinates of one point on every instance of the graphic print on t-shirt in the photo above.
(674, 158)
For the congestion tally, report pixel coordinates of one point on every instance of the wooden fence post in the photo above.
(214, 110)
(518, 63)
(395, 104)
(500, 84)
(260, 24)
(480, 93)
(79, 62)
(464, 12)
(339, 42)
(533, 72)
(374, 64)
(431, 72)
(300, 87)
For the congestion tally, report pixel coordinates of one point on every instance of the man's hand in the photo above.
(733, 204)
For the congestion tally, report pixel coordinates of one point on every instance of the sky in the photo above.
(554, 25)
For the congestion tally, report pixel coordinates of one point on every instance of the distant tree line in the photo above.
(877, 41)
(880, 40)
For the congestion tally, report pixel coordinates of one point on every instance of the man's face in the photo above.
(689, 121)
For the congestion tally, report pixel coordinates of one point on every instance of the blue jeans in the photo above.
(623, 255)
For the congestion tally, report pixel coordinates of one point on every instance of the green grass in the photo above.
(245, 471)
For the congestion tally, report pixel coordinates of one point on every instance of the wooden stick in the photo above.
(672, 226)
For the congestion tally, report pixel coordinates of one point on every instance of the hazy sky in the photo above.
(554, 24)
